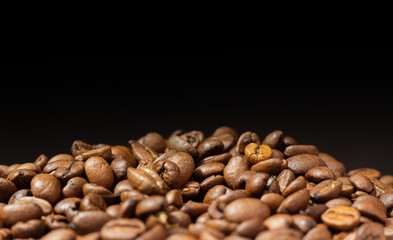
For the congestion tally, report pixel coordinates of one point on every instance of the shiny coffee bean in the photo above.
(11, 214)
(245, 208)
(341, 217)
(295, 202)
(98, 171)
(47, 187)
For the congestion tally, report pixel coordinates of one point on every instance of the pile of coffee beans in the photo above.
(192, 186)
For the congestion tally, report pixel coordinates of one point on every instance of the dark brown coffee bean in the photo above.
(371, 230)
(158, 232)
(190, 190)
(326, 190)
(11, 214)
(122, 228)
(245, 139)
(70, 170)
(208, 169)
(194, 209)
(74, 187)
(361, 182)
(78, 147)
(21, 177)
(186, 165)
(89, 221)
(272, 185)
(369, 172)
(210, 146)
(295, 202)
(371, 209)
(68, 203)
(341, 218)
(387, 199)
(44, 204)
(225, 130)
(319, 174)
(280, 234)
(301, 163)
(153, 140)
(380, 187)
(179, 144)
(47, 187)
(246, 208)
(271, 166)
(210, 182)
(7, 189)
(277, 154)
(237, 165)
(179, 218)
(41, 161)
(122, 186)
(195, 137)
(119, 167)
(55, 221)
(12, 168)
(332, 163)
(51, 167)
(278, 221)
(296, 185)
(220, 158)
(285, 178)
(60, 234)
(99, 172)
(215, 192)
(255, 185)
(273, 138)
(300, 149)
(19, 194)
(33, 228)
(169, 173)
(387, 179)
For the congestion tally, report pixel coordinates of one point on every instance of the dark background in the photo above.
(340, 100)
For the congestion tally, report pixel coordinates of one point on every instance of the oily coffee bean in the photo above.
(190, 185)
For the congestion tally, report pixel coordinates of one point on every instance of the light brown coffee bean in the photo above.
(146, 181)
(255, 185)
(44, 204)
(150, 205)
(73, 188)
(318, 233)
(153, 140)
(256, 153)
(21, 177)
(208, 169)
(47, 187)
(104, 152)
(296, 185)
(371, 209)
(237, 165)
(303, 222)
(245, 208)
(271, 166)
(371, 230)
(280, 234)
(99, 172)
(245, 139)
(369, 172)
(93, 201)
(278, 221)
(89, 221)
(11, 214)
(340, 201)
(341, 218)
(273, 200)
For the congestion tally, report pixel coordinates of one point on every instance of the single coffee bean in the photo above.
(19, 194)
(7, 189)
(250, 228)
(180, 145)
(210, 146)
(372, 209)
(210, 182)
(47, 187)
(92, 201)
(146, 181)
(73, 188)
(326, 190)
(158, 232)
(256, 153)
(21, 177)
(195, 137)
(318, 232)
(169, 173)
(245, 139)
(387, 199)
(278, 221)
(215, 192)
(186, 165)
(123, 152)
(67, 203)
(33, 228)
(150, 205)
(300, 149)
(371, 230)
(44, 204)
(295, 202)
(119, 167)
(319, 174)
(315, 211)
(387, 179)
(220, 158)
(272, 139)
(255, 185)
(41, 161)
(208, 169)
(122, 228)
(341, 218)
(303, 222)
(104, 152)
(153, 140)
(296, 185)
(271, 166)
(122, 186)
(285, 178)
(225, 130)
(60, 234)
(332, 163)
(245, 208)
(99, 172)
(301, 163)
(361, 182)
(194, 209)
(280, 234)
(55, 221)
(347, 191)
(179, 218)
(340, 201)
(273, 200)
(11, 214)
(190, 190)
(369, 172)
(89, 221)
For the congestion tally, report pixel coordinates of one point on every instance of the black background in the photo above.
(340, 100)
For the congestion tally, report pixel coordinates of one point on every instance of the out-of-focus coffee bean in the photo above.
(303, 222)
(122, 186)
(341, 217)
(190, 190)
(387, 199)
(89, 221)
(33, 228)
(319, 174)
(245, 208)
(280, 234)
(55, 221)
(318, 232)
(255, 185)
(11, 214)
(210, 182)
(332, 163)
(60, 234)
(301, 163)
(92, 201)
(67, 203)
(122, 228)
(7, 189)
(340, 201)
(326, 190)
(158, 232)
(153, 140)
(250, 228)
(388, 232)
(296, 185)
(44, 204)
(78, 147)
(119, 167)
(21, 177)
(19, 194)
(194, 209)
(372, 209)
(41, 161)
(179, 218)
(347, 191)
(278, 221)
(47, 187)
(387, 179)
(315, 211)
(12, 168)
(273, 200)
(369, 172)
(371, 230)
(150, 205)
(293, 150)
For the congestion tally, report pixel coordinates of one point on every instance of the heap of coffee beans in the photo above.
(192, 186)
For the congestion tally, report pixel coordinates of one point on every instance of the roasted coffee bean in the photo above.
(89, 221)
(41, 161)
(245, 208)
(301, 163)
(92, 201)
(68, 203)
(315, 211)
(60, 234)
(255, 185)
(154, 141)
(122, 228)
(7, 189)
(285, 178)
(73, 188)
(179, 144)
(271, 166)
(19, 194)
(55, 221)
(361, 182)
(303, 222)
(210, 182)
(340, 201)
(146, 181)
(371, 230)
(195, 137)
(300, 149)
(99, 172)
(104, 152)
(220, 158)
(319, 174)
(295, 202)
(122, 186)
(278, 221)
(190, 190)
(194, 209)
(123, 152)
(210, 146)
(280, 234)
(319, 232)
(237, 165)
(326, 190)
(34, 228)
(47, 187)
(332, 163)
(272, 139)
(21, 177)
(387, 199)
(296, 185)
(341, 217)
(179, 218)
(256, 153)
(169, 173)
(387, 179)
(208, 169)
(250, 228)
(13, 213)
(369, 172)
(119, 167)
(373, 209)
(245, 139)
(273, 200)
(150, 205)
(44, 204)
(185, 163)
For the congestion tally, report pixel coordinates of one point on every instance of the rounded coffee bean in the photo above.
(301, 163)
(21, 177)
(47, 187)
(280, 234)
(256, 153)
(255, 185)
(273, 138)
(361, 182)
(99, 172)
(89, 221)
(369, 172)
(296, 185)
(319, 174)
(250, 228)
(93, 201)
(154, 140)
(318, 232)
(371, 230)
(271, 166)
(245, 208)
(74, 188)
(122, 228)
(7, 188)
(326, 190)
(300, 149)
(278, 221)
(332, 163)
(303, 222)
(186, 165)
(237, 165)
(60, 234)
(371, 209)
(295, 202)
(150, 205)
(11, 214)
(34, 228)
(341, 218)
(273, 200)
(44, 204)
(245, 139)
(340, 201)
